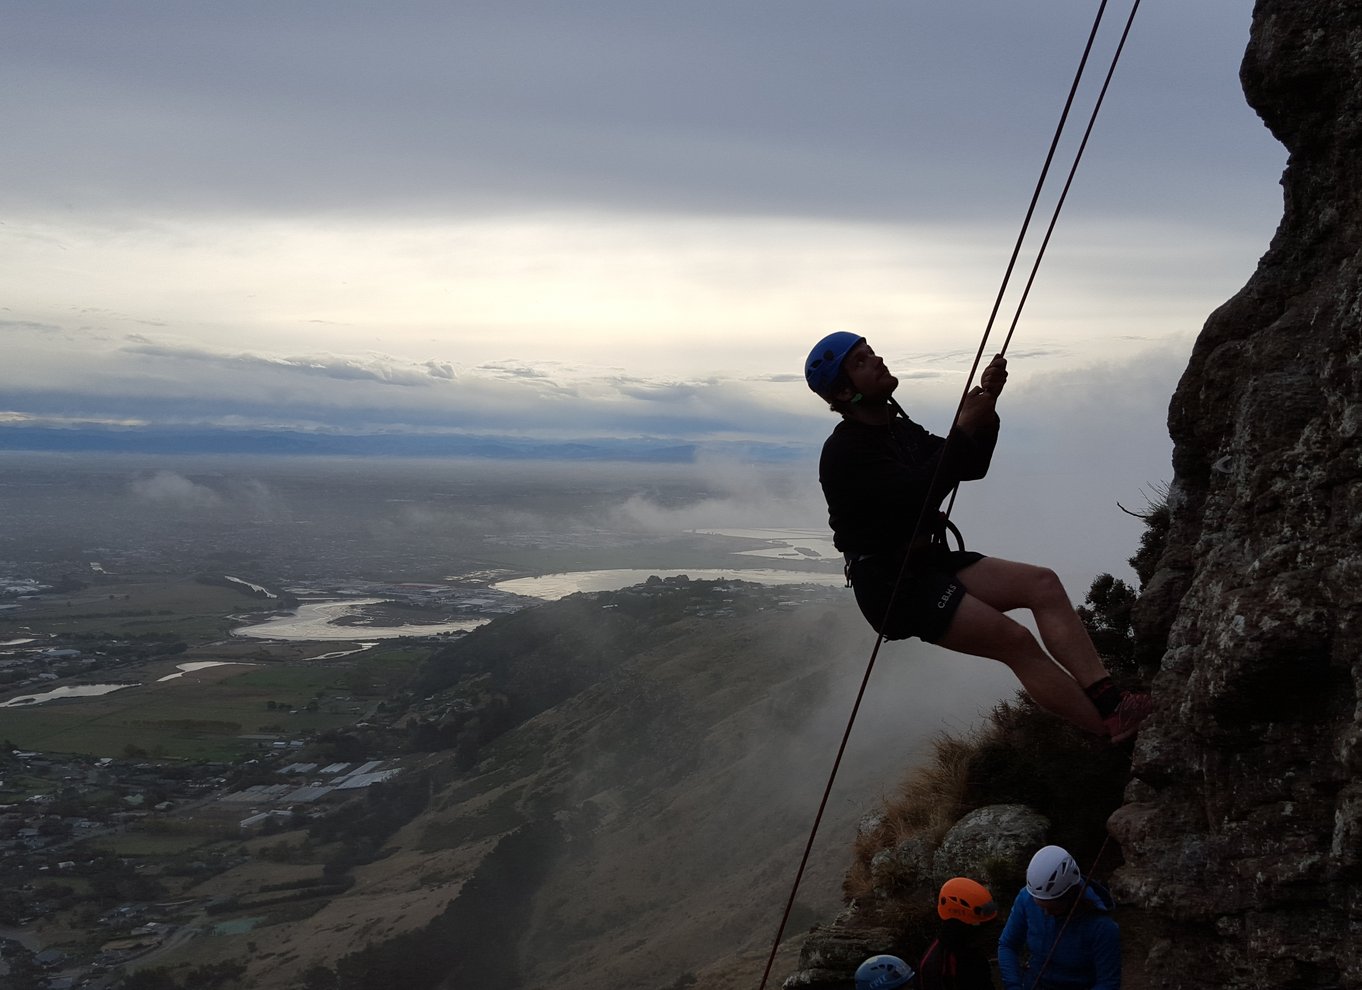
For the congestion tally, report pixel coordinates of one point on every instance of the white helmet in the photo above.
(1052, 873)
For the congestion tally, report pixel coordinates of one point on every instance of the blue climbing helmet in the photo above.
(825, 360)
(883, 973)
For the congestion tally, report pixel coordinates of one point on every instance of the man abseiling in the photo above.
(880, 473)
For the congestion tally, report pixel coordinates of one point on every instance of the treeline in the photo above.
(361, 827)
(540, 655)
(209, 976)
(475, 717)
(105, 881)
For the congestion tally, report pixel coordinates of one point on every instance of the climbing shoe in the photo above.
(1124, 722)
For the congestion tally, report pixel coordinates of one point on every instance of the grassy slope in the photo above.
(687, 777)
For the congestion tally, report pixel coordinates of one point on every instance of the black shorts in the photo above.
(927, 597)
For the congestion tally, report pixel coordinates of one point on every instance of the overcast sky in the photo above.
(591, 218)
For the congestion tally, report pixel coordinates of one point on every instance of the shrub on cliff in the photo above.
(1021, 755)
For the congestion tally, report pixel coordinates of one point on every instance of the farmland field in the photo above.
(257, 692)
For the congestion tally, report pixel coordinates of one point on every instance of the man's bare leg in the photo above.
(1008, 584)
(981, 630)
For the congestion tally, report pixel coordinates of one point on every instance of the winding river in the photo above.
(318, 621)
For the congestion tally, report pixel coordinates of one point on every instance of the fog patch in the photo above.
(729, 495)
(916, 693)
(259, 500)
(172, 489)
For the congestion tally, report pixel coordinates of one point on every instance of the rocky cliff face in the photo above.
(1243, 826)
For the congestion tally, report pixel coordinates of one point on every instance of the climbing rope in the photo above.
(1068, 182)
(922, 517)
(1054, 219)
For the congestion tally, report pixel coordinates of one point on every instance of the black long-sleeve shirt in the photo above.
(877, 478)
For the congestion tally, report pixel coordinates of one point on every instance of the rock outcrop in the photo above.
(1243, 827)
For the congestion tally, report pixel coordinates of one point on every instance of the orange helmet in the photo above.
(966, 900)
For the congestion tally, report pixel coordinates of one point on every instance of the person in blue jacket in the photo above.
(1060, 934)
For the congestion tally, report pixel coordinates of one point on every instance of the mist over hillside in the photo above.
(667, 748)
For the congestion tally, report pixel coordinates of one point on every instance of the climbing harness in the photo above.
(983, 343)
(939, 536)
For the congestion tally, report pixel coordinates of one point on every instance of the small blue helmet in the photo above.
(825, 360)
(883, 973)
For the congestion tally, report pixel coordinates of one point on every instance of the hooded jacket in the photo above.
(1086, 957)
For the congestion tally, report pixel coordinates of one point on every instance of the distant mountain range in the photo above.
(296, 443)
